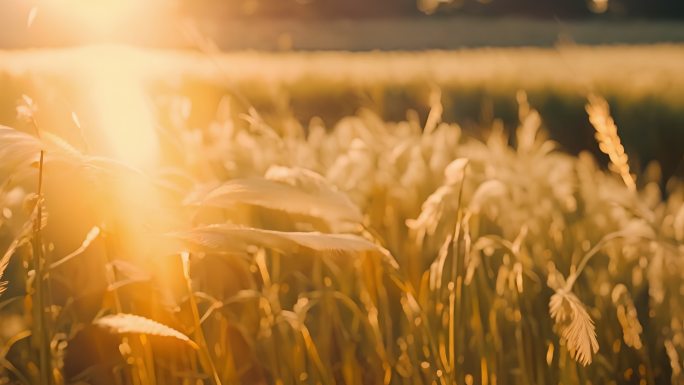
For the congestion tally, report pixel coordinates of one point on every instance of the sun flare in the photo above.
(99, 16)
(321, 192)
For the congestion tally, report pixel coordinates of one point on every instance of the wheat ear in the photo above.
(608, 139)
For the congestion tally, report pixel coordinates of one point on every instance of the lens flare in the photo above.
(98, 16)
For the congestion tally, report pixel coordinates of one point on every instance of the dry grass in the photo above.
(369, 252)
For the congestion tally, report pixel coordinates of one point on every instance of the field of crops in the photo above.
(469, 217)
(644, 85)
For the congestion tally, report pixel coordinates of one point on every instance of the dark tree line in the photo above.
(571, 8)
(407, 8)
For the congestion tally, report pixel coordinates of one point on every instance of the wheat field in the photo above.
(144, 245)
(642, 83)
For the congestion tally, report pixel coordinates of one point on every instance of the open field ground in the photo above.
(169, 217)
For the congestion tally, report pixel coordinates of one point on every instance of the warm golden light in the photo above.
(122, 109)
(218, 192)
(99, 16)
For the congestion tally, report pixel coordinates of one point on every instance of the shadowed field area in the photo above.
(161, 29)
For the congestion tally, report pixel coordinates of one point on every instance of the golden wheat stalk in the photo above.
(134, 324)
(608, 138)
(627, 316)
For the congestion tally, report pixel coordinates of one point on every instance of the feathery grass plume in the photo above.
(627, 316)
(439, 201)
(575, 326)
(486, 191)
(134, 324)
(608, 138)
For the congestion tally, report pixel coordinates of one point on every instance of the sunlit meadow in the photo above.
(199, 217)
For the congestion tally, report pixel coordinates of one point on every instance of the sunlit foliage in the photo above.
(368, 252)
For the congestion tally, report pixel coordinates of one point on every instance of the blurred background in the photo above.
(198, 92)
(344, 25)
(327, 59)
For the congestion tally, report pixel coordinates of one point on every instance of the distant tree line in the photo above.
(569, 8)
(408, 8)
